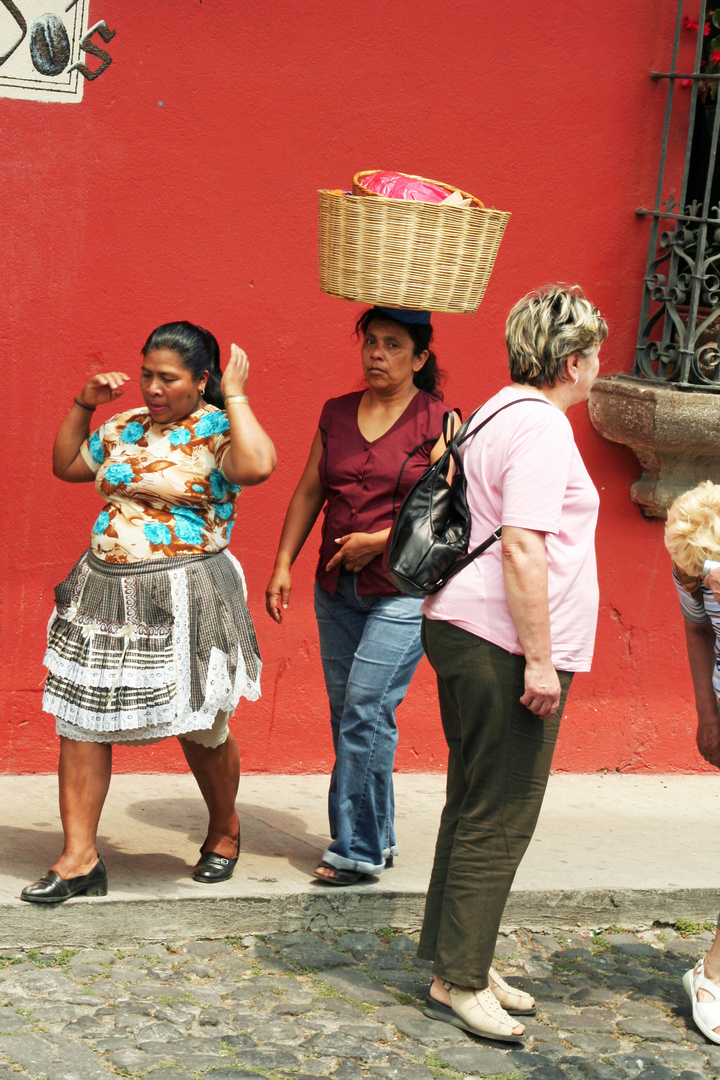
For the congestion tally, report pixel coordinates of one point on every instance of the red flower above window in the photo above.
(693, 24)
(710, 59)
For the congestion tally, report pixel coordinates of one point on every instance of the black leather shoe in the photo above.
(52, 889)
(213, 867)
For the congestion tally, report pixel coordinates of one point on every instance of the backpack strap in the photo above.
(462, 436)
(462, 563)
(456, 442)
(447, 426)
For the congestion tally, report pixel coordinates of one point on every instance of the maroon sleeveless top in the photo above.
(361, 477)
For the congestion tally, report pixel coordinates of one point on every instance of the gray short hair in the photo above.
(546, 327)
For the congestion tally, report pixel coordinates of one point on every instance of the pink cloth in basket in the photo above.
(395, 186)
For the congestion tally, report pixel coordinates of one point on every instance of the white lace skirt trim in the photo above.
(213, 735)
(164, 674)
(138, 678)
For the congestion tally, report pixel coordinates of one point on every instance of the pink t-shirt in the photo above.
(523, 469)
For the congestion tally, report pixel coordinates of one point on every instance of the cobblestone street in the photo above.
(296, 1005)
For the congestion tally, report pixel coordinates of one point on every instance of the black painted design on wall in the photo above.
(89, 46)
(49, 45)
(49, 50)
(20, 20)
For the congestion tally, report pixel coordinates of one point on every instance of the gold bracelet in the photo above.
(89, 408)
(243, 398)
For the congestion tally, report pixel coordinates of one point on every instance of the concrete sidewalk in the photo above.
(614, 850)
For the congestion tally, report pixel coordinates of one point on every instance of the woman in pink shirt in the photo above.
(505, 636)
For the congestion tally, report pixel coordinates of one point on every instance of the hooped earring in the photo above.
(202, 390)
(575, 381)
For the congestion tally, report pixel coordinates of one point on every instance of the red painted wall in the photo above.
(183, 186)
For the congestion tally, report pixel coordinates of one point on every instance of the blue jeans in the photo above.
(370, 647)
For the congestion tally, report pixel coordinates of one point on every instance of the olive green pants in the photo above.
(498, 766)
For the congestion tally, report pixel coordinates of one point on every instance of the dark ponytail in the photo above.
(197, 348)
(430, 377)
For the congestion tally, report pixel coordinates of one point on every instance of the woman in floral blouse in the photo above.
(151, 635)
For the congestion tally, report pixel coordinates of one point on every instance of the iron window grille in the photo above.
(678, 333)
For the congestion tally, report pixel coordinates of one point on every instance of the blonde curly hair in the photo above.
(692, 531)
(545, 328)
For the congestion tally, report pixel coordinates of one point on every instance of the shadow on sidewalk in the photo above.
(265, 832)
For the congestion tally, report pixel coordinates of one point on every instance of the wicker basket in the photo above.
(403, 254)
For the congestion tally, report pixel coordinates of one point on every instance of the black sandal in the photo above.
(342, 877)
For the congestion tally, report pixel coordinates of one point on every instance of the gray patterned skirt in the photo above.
(139, 651)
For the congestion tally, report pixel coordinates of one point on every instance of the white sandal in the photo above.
(476, 1011)
(706, 1014)
(515, 1002)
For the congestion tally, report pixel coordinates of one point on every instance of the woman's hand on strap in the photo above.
(358, 549)
(277, 594)
(102, 389)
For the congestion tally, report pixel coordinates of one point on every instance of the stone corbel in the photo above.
(675, 435)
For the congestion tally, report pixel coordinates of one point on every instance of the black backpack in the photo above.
(428, 542)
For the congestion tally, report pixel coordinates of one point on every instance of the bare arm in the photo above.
(307, 502)
(68, 463)
(700, 638)
(712, 582)
(526, 587)
(251, 457)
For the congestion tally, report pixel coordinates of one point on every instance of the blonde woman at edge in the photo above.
(692, 535)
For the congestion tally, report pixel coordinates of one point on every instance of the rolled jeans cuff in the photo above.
(339, 862)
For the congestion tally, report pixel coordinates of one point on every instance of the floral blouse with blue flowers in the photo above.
(164, 489)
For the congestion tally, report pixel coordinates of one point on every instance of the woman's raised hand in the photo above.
(235, 376)
(277, 594)
(103, 388)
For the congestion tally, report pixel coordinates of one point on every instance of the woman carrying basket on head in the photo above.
(369, 633)
(151, 636)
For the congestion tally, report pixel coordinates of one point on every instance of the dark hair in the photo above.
(197, 348)
(430, 377)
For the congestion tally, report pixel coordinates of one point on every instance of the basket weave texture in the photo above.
(404, 254)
